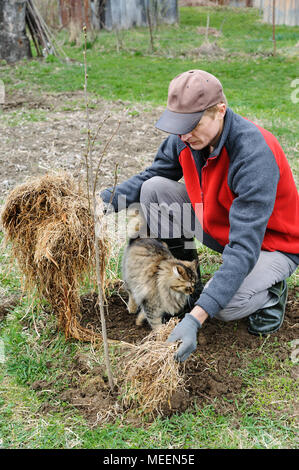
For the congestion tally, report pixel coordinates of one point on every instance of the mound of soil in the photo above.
(223, 349)
(7, 303)
(202, 30)
(209, 49)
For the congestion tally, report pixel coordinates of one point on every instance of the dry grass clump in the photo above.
(51, 230)
(150, 374)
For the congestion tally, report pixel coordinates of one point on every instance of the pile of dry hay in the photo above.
(150, 374)
(51, 229)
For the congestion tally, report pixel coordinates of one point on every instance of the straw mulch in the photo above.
(50, 227)
(150, 374)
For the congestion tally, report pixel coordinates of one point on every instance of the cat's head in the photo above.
(182, 276)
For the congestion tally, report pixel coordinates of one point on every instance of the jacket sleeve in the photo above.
(254, 178)
(166, 163)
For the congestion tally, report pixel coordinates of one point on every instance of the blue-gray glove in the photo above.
(186, 331)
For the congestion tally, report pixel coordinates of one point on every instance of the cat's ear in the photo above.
(178, 270)
(195, 263)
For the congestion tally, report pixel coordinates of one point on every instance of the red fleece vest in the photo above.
(282, 231)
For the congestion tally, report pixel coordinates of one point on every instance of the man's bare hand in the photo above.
(199, 313)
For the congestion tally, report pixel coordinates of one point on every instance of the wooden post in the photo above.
(273, 28)
(207, 28)
(150, 26)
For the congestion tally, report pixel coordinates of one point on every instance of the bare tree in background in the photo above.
(14, 44)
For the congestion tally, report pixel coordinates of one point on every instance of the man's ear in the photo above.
(221, 110)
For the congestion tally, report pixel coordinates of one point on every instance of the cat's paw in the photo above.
(132, 306)
(133, 311)
(140, 319)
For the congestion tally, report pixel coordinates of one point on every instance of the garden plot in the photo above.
(49, 133)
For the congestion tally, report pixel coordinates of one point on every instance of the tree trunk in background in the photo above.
(14, 44)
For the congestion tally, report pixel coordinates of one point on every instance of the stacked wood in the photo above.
(38, 30)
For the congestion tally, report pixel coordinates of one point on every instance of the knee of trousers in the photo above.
(242, 306)
(232, 313)
(153, 189)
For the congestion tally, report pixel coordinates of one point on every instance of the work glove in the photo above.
(107, 207)
(103, 207)
(186, 331)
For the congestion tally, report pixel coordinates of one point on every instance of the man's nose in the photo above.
(185, 137)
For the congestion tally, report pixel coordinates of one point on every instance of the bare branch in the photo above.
(100, 256)
(102, 156)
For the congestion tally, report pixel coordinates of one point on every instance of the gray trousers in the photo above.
(162, 200)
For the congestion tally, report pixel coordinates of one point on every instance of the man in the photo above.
(244, 202)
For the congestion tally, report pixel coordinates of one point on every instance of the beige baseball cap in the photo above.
(189, 95)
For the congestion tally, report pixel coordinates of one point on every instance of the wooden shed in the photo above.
(286, 11)
(120, 14)
(240, 3)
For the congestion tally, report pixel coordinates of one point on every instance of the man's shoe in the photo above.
(269, 319)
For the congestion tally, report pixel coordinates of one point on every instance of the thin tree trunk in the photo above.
(150, 27)
(91, 181)
(273, 28)
(14, 43)
(207, 28)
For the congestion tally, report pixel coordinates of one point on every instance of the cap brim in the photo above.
(178, 123)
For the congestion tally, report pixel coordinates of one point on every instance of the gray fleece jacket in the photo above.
(259, 206)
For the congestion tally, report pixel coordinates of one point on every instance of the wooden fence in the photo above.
(286, 11)
(117, 14)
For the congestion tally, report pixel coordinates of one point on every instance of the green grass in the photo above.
(258, 86)
(146, 78)
(17, 118)
(135, 74)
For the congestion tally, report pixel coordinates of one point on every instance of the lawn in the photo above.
(258, 85)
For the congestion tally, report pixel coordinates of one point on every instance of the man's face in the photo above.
(206, 132)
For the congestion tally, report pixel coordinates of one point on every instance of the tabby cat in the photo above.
(157, 283)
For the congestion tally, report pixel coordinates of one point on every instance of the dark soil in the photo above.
(7, 303)
(213, 372)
